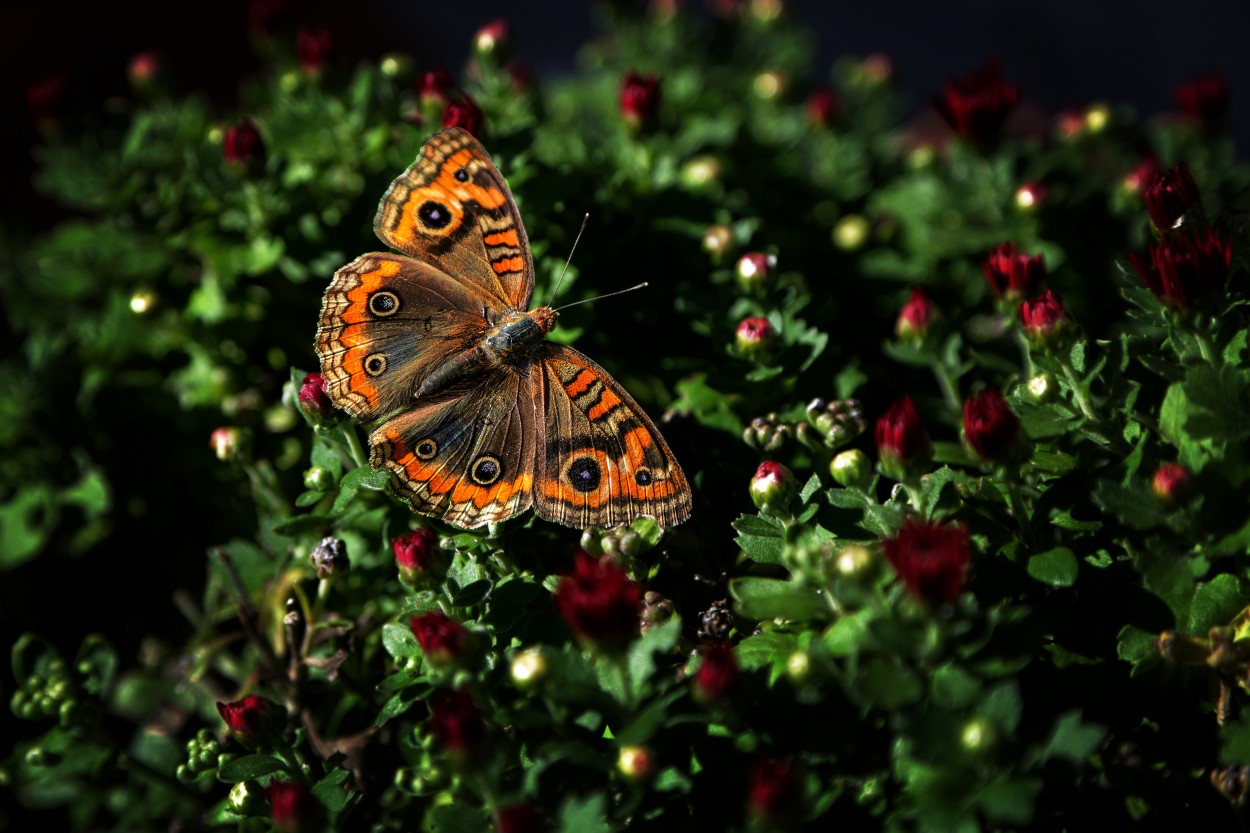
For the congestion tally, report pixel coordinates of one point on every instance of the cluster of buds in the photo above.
(768, 433)
(619, 543)
(1015, 278)
(834, 423)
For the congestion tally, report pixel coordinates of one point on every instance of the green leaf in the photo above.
(1057, 567)
(1072, 740)
(770, 598)
(954, 688)
(761, 537)
(887, 685)
(509, 602)
(850, 633)
(363, 477)
(657, 640)
(399, 642)
(811, 487)
(331, 791)
(473, 593)
(249, 768)
(583, 814)
(1235, 743)
(25, 523)
(1002, 703)
(1215, 602)
(1009, 798)
(458, 818)
(761, 650)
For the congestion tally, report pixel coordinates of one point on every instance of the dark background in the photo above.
(1063, 53)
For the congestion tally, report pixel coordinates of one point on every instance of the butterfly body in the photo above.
(473, 411)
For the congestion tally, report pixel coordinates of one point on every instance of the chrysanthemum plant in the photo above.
(992, 381)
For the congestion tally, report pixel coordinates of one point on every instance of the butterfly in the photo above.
(473, 412)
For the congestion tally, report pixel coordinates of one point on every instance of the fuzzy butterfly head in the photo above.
(474, 413)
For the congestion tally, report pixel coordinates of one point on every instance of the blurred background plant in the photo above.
(1034, 602)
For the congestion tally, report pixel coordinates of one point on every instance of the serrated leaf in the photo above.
(586, 814)
(762, 649)
(887, 685)
(361, 478)
(850, 633)
(458, 818)
(249, 768)
(811, 487)
(1072, 739)
(330, 791)
(657, 640)
(1057, 567)
(1235, 743)
(1009, 798)
(760, 537)
(1002, 703)
(1215, 602)
(954, 688)
(770, 598)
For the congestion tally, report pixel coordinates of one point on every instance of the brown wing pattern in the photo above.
(469, 457)
(602, 462)
(453, 209)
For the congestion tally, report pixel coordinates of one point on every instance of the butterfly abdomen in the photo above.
(513, 340)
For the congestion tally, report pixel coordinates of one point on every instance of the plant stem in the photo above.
(949, 395)
(355, 452)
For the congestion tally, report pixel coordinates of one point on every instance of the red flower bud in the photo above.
(227, 443)
(442, 639)
(457, 724)
(718, 674)
(493, 40)
(977, 104)
(1045, 320)
(773, 487)
(1030, 196)
(1186, 270)
(991, 427)
(902, 443)
(916, 318)
(254, 719)
(292, 807)
(420, 560)
(435, 87)
(599, 603)
(755, 338)
(1172, 484)
(823, 107)
(313, 45)
(243, 144)
(774, 795)
(1204, 98)
(930, 559)
(519, 818)
(636, 763)
(313, 399)
(755, 270)
(1170, 196)
(143, 70)
(640, 99)
(465, 114)
(1012, 274)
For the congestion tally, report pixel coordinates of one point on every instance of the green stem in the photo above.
(355, 451)
(1205, 348)
(949, 395)
(1078, 392)
(1016, 501)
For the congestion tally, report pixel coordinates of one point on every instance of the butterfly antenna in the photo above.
(576, 240)
(600, 297)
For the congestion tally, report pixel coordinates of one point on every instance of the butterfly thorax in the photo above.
(512, 339)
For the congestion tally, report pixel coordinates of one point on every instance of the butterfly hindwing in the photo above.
(452, 209)
(602, 460)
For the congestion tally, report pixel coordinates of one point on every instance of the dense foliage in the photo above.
(963, 401)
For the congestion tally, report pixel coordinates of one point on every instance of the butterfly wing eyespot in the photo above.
(605, 461)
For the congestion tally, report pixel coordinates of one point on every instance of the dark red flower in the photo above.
(1204, 98)
(243, 144)
(442, 638)
(254, 719)
(1186, 270)
(823, 106)
(519, 818)
(755, 337)
(977, 104)
(991, 427)
(493, 40)
(718, 674)
(435, 87)
(1045, 320)
(930, 559)
(313, 45)
(465, 114)
(142, 70)
(292, 807)
(1170, 196)
(640, 98)
(1143, 174)
(599, 602)
(1171, 484)
(420, 560)
(1012, 274)
(917, 317)
(456, 723)
(902, 442)
(313, 399)
(774, 795)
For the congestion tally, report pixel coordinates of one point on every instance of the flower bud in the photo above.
(1170, 197)
(770, 85)
(1029, 197)
(755, 271)
(520, 818)
(717, 622)
(930, 559)
(318, 479)
(717, 241)
(903, 445)
(991, 428)
(434, 89)
(977, 105)
(718, 676)
(701, 171)
(243, 146)
(773, 488)
(143, 71)
(980, 736)
(529, 668)
(856, 564)
(313, 399)
(822, 107)
(851, 468)
(254, 720)
(656, 610)
(767, 433)
(1186, 270)
(1172, 484)
(227, 443)
(419, 558)
(1045, 321)
(456, 725)
(917, 318)
(755, 338)
(599, 602)
(636, 764)
(1204, 99)
(443, 640)
(838, 422)
(313, 45)
(774, 794)
(247, 798)
(1012, 274)
(640, 100)
(493, 42)
(143, 301)
(292, 807)
(329, 557)
(1042, 387)
(851, 232)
